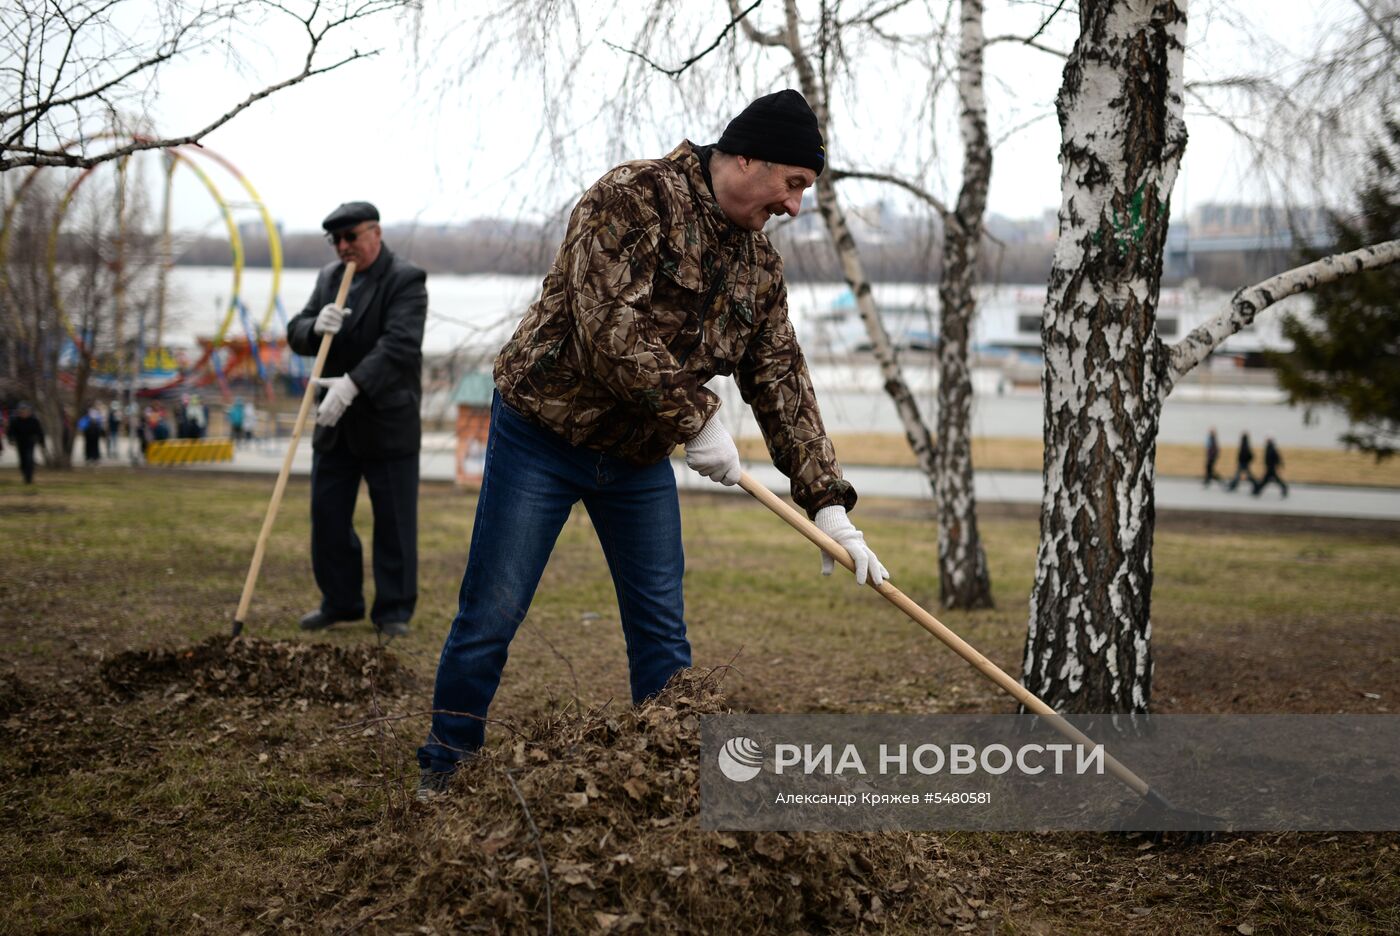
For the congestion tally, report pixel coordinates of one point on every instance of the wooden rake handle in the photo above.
(306, 398)
(938, 629)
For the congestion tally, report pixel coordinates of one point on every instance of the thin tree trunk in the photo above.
(964, 581)
(1088, 640)
(839, 231)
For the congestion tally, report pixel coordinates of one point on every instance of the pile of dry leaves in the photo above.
(14, 694)
(245, 666)
(589, 822)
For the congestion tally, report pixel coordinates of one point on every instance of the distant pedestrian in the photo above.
(160, 429)
(144, 426)
(182, 417)
(250, 422)
(237, 412)
(114, 427)
(1243, 460)
(1212, 456)
(1273, 461)
(198, 417)
(93, 426)
(25, 431)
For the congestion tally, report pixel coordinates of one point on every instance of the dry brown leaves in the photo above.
(221, 667)
(589, 823)
(14, 694)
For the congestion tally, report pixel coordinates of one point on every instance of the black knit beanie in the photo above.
(779, 128)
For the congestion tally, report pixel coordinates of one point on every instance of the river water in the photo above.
(473, 315)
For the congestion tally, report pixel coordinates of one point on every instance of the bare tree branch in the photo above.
(1027, 41)
(917, 191)
(673, 72)
(1031, 39)
(755, 35)
(872, 15)
(1248, 303)
(63, 107)
(1381, 28)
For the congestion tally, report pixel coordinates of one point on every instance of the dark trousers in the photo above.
(336, 555)
(1270, 475)
(1241, 471)
(26, 461)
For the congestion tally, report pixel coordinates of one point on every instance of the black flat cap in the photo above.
(350, 214)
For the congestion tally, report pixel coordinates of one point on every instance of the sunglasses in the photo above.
(348, 236)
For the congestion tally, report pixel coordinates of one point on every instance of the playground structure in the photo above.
(148, 368)
(189, 451)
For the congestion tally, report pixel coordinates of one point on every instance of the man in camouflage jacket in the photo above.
(664, 280)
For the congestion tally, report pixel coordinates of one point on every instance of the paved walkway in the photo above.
(1008, 487)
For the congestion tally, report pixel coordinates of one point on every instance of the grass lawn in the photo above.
(190, 809)
(991, 453)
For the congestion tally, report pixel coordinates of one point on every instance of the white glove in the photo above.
(712, 453)
(834, 523)
(340, 393)
(328, 321)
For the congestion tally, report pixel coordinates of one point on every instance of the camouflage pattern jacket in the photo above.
(653, 293)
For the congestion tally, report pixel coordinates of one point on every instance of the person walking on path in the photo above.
(1273, 461)
(236, 414)
(368, 425)
(1212, 456)
(25, 431)
(664, 280)
(114, 427)
(1243, 460)
(93, 427)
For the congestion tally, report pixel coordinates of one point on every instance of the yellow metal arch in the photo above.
(274, 239)
(235, 241)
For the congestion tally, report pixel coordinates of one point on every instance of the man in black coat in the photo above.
(26, 432)
(367, 422)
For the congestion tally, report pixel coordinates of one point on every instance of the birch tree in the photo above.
(788, 37)
(964, 579)
(1107, 374)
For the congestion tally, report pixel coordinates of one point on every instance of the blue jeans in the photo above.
(532, 480)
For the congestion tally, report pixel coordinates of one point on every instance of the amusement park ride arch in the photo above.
(174, 156)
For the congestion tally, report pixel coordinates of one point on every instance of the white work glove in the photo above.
(712, 453)
(834, 523)
(340, 393)
(328, 321)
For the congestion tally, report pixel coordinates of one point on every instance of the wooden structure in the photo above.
(473, 399)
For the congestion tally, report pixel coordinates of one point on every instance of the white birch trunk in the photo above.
(964, 581)
(1088, 639)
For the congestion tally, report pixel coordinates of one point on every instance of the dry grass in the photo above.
(1307, 466)
(195, 802)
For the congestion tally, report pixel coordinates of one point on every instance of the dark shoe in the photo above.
(433, 784)
(388, 630)
(320, 620)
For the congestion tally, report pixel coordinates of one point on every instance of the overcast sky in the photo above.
(394, 130)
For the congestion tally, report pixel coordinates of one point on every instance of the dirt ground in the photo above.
(155, 776)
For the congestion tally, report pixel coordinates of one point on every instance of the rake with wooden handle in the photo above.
(251, 581)
(962, 648)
